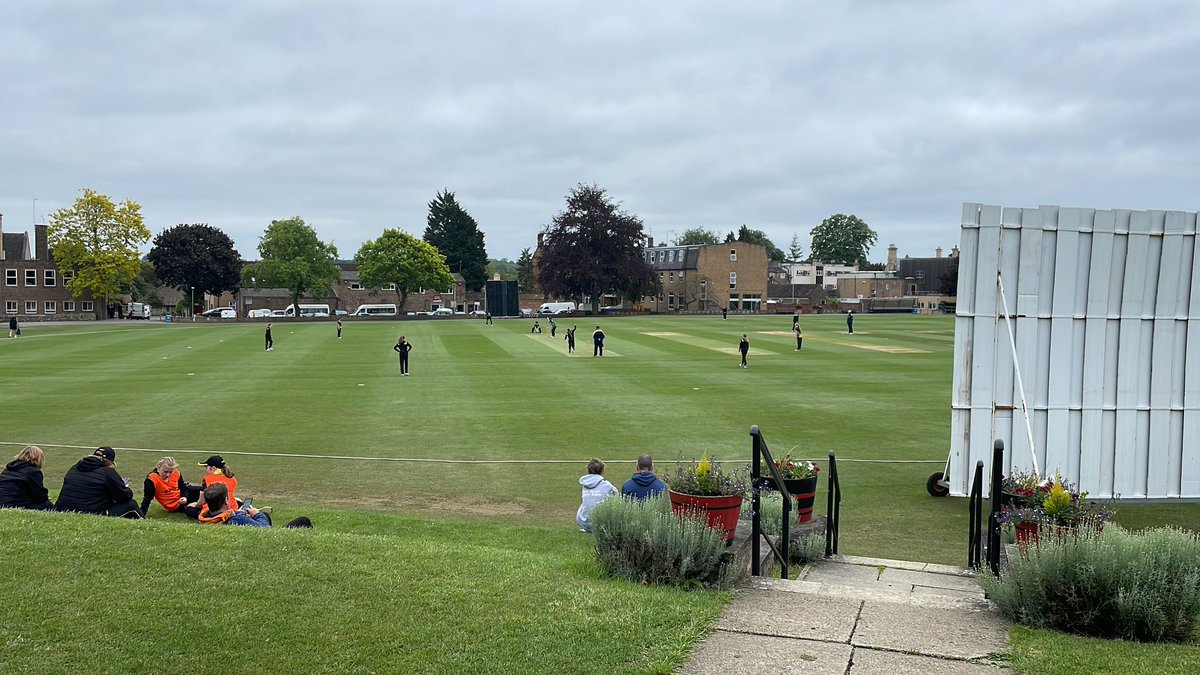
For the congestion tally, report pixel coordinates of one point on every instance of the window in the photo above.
(10, 277)
(803, 273)
(10, 306)
(752, 302)
(68, 277)
(733, 279)
(733, 303)
(733, 255)
(660, 278)
(920, 275)
(672, 277)
(671, 256)
(355, 286)
(31, 277)
(49, 307)
(704, 289)
(662, 256)
(31, 307)
(48, 278)
(87, 306)
(68, 305)
(681, 275)
(670, 301)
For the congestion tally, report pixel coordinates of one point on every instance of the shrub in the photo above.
(645, 542)
(708, 478)
(803, 550)
(1136, 586)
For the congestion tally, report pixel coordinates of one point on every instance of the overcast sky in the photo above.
(352, 115)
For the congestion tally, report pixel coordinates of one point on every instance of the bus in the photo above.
(308, 311)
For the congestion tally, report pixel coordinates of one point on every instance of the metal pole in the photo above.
(192, 305)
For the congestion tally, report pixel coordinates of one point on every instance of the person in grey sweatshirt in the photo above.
(595, 490)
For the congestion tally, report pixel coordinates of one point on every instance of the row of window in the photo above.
(357, 286)
(49, 277)
(48, 307)
(663, 279)
(672, 255)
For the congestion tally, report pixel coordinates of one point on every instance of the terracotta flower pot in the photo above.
(722, 512)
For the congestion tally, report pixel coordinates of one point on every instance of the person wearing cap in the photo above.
(216, 509)
(94, 486)
(166, 486)
(21, 482)
(216, 471)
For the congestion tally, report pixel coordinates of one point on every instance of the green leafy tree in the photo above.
(592, 248)
(872, 267)
(795, 251)
(399, 258)
(453, 232)
(293, 257)
(144, 286)
(199, 256)
(759, 237)
(506, 268)
(99, 241)
(525, 281)
(842, 239)
(697, 236)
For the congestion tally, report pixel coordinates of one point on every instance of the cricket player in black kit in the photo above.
(403, 348)
(269, 341)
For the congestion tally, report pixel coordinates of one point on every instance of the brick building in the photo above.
(709, 277)
(348, 293)
(32, 288)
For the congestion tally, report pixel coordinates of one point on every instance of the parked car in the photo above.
(527, 311)
(277, 313)
(442, 311)
(219, 313)
(261, 313)
(341, 312)
(478, 312)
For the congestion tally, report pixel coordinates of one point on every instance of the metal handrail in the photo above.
(993, 547)
(833, 509)
(974, 530)
(773, 480)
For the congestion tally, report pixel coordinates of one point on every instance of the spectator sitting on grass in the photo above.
(165, 484)
(643, 483)
(94, 486)
(21, 483)
(215, 510)
(595, 490)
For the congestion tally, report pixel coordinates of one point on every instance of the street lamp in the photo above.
(192, 306)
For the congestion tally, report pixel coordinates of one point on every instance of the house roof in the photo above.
(16, 246)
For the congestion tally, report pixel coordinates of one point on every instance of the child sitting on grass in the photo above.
(595, 490)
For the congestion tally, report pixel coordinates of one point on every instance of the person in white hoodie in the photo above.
(595, 490)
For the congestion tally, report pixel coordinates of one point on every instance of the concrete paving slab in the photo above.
(949, 569)
(722, 653)
(791, 615)
(836, 573)
(872, 662)
(948, 598)
(931, 632)
(931, 580)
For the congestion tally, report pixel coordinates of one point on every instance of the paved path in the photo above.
(856, 616)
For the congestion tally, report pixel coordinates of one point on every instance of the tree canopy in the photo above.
(525, 280)
(592, 248)
(99, 241)
(454, 233)
(294, 258)
(757, 237)
(196, 255)
(399, 258)
(697, 236)
(948, 281)
(795, 250)
(842, 239)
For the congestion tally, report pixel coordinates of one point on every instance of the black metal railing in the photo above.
(773, 481)
(993, 547)
(975, 529)
(833, 509)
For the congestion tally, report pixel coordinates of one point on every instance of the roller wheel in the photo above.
(934, 485)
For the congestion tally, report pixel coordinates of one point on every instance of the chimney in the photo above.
(39, 245)
(541, 236)
(937, 252)
(891, 258)
(649, 242)
(954, 252)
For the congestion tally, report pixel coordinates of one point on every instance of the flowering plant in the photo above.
(708, 479)
(796, 468)
(1051, 501)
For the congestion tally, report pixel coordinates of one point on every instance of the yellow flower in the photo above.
(704, 468)
(1057, 502)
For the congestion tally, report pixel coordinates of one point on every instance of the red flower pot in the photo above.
(722, 512)
(1027, 533)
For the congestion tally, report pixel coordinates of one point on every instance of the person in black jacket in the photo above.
(403, 348)
(94, 486)
(21, 481)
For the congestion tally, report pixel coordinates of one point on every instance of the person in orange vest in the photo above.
(166, 486)
(215, 471)
(215, 509)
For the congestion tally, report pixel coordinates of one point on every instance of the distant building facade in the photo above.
(33, 289)
(709, 277)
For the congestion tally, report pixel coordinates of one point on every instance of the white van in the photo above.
(375, 310)
(308, 311)
(556, 308)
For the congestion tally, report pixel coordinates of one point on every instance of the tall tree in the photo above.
(144, 286)
(399, 258)
(293, 257)
(697, 236)
(795, 251)
(525, 280)
(454, 233)
(99, 241)
(196, 255)
(759, 237)
(948, 281)
(593, 248)
(842, 239)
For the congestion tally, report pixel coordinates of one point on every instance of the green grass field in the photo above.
(497, 423)
(445, 501)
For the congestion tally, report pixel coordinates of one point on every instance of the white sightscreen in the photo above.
(1105, 308)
